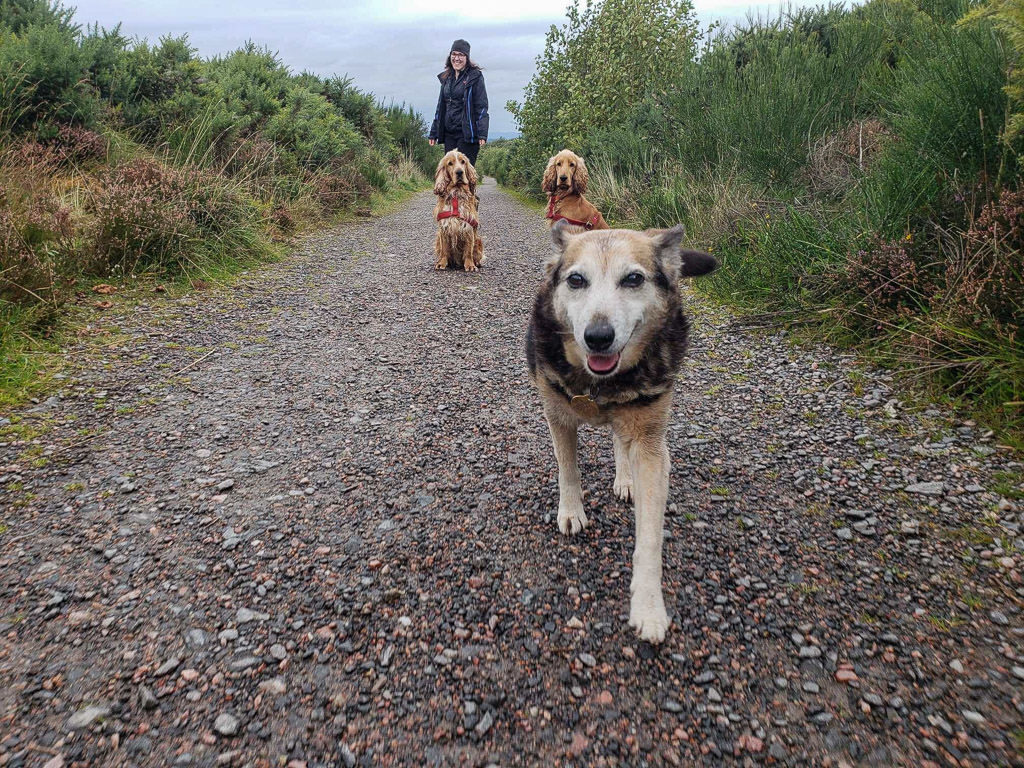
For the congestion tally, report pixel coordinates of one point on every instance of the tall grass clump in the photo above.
(857, 166)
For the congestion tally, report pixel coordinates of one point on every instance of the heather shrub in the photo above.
(77, 145)
(987, 282)
(337, 191)
(147, 214)
(847, 164)
(885, 280)
(140, 217)
(36, 228)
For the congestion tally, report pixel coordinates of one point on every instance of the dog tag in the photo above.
(584, 406)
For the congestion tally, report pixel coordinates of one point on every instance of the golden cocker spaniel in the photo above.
(565, 182)
(457, 243)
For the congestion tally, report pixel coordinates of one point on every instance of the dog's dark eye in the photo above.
(576, 281)
(632, 280)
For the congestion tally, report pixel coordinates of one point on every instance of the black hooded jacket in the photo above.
(461, 108)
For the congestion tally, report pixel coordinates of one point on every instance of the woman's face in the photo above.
(458, 61)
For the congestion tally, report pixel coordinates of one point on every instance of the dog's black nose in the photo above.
(599, 336)
(563, 177)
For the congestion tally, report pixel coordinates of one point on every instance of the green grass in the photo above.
(1009, 483)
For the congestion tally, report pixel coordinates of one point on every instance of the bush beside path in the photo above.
(308, 520)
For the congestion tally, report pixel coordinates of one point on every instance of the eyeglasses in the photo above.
(458, 55)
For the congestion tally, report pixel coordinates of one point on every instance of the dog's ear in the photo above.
(441, 178)
(678, 262)
(550, 182)
(667, 252)
(561, 235)
(697, 263)
(471, 176)
(580, 179)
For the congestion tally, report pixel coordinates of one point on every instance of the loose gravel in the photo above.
(308, 520)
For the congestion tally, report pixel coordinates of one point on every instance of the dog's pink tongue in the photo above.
(602, 363)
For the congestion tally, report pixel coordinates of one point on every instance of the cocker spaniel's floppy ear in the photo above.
(580, 179)
(550, 182)
(471, 176)
(441, 180)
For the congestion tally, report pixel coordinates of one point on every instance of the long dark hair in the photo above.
(449, 70)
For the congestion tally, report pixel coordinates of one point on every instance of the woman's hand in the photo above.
(432, 141)
(482, 142)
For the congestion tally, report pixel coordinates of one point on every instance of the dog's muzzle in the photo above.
(599, 338)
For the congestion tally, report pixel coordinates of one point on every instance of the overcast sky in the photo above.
(391, 48)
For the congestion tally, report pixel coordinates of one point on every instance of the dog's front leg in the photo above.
(650, 464)
(571, 517)
(441, 250)
(468, 247)
(623, 485)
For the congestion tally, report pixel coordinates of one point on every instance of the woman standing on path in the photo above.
(461, 119)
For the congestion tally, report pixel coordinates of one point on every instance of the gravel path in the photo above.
(307, 520)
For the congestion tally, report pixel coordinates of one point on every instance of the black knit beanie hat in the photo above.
(461, 46)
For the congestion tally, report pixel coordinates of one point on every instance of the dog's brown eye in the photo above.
(632, 280)
(576, 281)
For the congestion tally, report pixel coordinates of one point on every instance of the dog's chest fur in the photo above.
(457, 225)
(653, 375)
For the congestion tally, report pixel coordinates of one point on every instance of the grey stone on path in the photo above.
(485, 724)
(86, 716)
(226, 724)
(168, 666)
(926, 489)
(147, 698)
(195, 638)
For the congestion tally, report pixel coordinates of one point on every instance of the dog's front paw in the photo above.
(647, 614)
(470, 266)
(571, 518)
(441, 265)
(623, 487)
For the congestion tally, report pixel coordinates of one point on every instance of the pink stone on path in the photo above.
(751, 743)
(579, 744)
(846, 675)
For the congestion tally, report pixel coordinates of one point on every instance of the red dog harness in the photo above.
(454, 214)
(589, 224)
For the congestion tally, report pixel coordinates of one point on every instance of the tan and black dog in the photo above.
(606, 338)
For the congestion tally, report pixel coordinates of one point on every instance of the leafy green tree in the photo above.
(609, 56)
